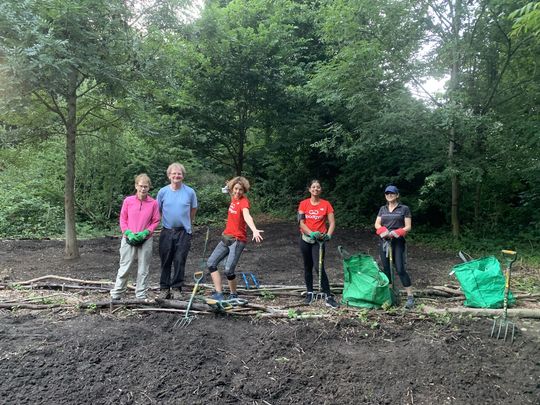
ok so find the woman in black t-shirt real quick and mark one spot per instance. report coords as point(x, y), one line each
point(392, 224)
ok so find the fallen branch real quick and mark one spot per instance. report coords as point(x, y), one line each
point(170, 310)
point(53, 286)
point(22, 305)
point(52, 276)
point(109, 303)
point(485, 312)
point(448, 290)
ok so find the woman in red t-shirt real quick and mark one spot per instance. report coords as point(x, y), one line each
point(234, 237)
point(313, 214)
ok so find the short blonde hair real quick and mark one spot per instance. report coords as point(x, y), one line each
point(143, 177)
point(238, 180)
point(178, 165)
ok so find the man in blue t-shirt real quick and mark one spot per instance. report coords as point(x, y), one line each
point(178, 206)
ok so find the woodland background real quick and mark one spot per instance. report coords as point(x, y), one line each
point(93, 92)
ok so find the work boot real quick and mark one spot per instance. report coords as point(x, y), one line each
point(309, 298)
point(331, 302)
point(218, 296)
point(410, 302)
point(164, 294)
point(233, 296)
point(176, 294)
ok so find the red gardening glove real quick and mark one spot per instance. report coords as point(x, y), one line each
point(382, 232)
point(398, 233)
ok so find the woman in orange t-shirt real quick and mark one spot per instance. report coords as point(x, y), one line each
point(234, 237)
point(313, 215)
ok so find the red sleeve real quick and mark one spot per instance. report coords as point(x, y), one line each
point(329, 208)
point(244, 203)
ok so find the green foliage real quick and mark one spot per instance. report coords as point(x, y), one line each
point(292, 313)
point(526, 20)
point(267, 295)
point(283, 92)
point(33, 197)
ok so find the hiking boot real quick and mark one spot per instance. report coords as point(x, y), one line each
point(217, 296)
point(233, 296)
point(164, 294)
point(331, 302)
point(143, 300)
point(176, 294)
point(309, 298)
point(410, 302)
point(116, 299)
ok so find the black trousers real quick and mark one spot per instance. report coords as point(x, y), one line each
point(174, 245)
point(310, 254)
point(400, 260)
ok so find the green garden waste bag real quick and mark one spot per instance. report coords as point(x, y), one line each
point(363, 284)
point(482, 282)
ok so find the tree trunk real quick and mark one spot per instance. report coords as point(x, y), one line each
point(454, 72)
point(71, 248)
point(455, 186)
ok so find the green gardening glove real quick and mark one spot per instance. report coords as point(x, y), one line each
point(129, 235)
point(315, 235)
point(326, 237)
point(145, 233)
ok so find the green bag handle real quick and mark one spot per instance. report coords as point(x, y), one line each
point(345, 255)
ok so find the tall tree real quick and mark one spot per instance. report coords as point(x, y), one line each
point(473, 45)
point(73, 57)
point(239, 64)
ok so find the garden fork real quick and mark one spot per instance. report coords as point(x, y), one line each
point(502, 324)
point(387, 247)
point(197, 276)
point(186, 320)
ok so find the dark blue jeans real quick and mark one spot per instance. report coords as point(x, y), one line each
point(174, 245)
point(310, 254)
point(400, 260)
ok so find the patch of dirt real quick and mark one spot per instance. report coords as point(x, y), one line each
point(67, 356)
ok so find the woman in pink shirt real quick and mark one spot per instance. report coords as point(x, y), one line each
point(139, 217)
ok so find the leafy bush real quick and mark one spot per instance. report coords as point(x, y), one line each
point(33, 199)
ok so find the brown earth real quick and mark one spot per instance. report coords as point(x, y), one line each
point(69, 356)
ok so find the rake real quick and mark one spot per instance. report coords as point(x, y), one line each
point(501, 324)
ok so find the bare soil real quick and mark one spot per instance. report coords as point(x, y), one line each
point(68, 356)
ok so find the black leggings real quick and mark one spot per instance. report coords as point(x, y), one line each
point(400, 260)
point(310, 254)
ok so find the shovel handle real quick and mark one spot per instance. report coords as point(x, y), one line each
point(198, 276)
point(510, 255)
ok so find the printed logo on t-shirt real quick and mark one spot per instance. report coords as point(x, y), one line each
point(315, 214)
point(232, 208)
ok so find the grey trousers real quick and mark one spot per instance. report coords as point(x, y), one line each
point(128, 254)
point(231, 253)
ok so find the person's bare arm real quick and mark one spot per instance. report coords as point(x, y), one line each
point(331, 224)
point(249, 221)
point(192, 215)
